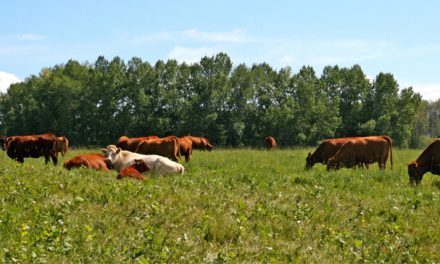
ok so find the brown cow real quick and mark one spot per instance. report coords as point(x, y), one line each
point(186, 146)
point(165, 147)
point(131, 144)
point(366, 150)
point(134, 171)
point(62, 145)
point(93, 161)
point(428, 161)
point(201, 143)
point(270, 143)
point(20, 147)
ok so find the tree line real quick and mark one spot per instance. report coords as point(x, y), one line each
point(94, 104)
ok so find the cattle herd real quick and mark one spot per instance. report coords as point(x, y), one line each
point(133, 156)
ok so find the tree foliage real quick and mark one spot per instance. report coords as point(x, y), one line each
point(94, 104)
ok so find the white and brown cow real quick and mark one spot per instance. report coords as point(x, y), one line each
point(121, 159)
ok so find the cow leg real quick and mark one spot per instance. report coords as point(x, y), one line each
point(54, 158)
point(187, 157)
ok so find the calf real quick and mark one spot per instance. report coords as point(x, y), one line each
point(94, 161)
point(134, 171)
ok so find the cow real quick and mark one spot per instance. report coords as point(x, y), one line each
point(363, 151)
point(93, 161)
point(131, 144)
point(201, 143)
point(121, 159)
point(428, 161)
point(270, 143)
point(326, 150)
point(186, 146)
point(134, 171)
point(167, 147)
point(20, 147)
point(62, 145)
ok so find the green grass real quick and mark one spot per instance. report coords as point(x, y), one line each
point(239, 206)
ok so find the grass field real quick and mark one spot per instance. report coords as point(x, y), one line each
point(239, 206)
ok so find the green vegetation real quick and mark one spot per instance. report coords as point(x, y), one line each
point(238, 205)
point(94, 104)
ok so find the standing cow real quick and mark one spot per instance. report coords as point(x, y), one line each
point(200, 143)
point(363, 151)
point(326, 150)
point(131, 144)
point(270, 143)
point(186, 146)
point(428, 161)
point(167, 147)
point(62, 145)
point(34, 146)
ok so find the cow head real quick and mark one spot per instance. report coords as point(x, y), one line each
point(140, 165)
point(111, 154)
point(415, 173)
point(309, 161)
point(332, 164)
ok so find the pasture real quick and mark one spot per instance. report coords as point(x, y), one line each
point(239, 206)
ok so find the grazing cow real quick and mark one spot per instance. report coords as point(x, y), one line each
point(326, 150)
point(131, 144)
point(134, 171)
point(93, 161)
point(121, 159)
point(201, 143)
point(166, 147)
point(20, 147)
point(62, 145)
point(270, 143)
point(186, 146)
point(365, 150)
point(428, 161)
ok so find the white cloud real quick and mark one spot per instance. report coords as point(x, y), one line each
point(6, 79)
point(236, 35)
point(30, 37)
point(190, 55)
point(429, 92)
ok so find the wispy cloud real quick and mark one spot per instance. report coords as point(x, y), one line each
point(190, 55)
point(6, 79)
point(428, 91)
point(29, 37)
point(236, 35)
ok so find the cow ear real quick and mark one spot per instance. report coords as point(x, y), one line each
point(118, 150)
point(104, 151)
point(309, 155)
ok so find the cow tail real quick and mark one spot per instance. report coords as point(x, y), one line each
point(388, 139)
point(179, 156)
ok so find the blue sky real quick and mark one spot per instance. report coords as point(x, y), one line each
point(398, 37)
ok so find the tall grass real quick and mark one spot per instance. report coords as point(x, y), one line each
point(241, 206)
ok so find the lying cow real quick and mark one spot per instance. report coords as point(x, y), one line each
point(62, 145)
point(201, 143)
point(270, 143)
point(121, 159)
point(165, 147)
point(131, 144)
point(428, 161)
point(134, 171)
point(366, 150)
point(94, 161)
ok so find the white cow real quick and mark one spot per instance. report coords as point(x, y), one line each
point(123, 158)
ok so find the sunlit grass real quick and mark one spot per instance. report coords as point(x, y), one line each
point(230, 205)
